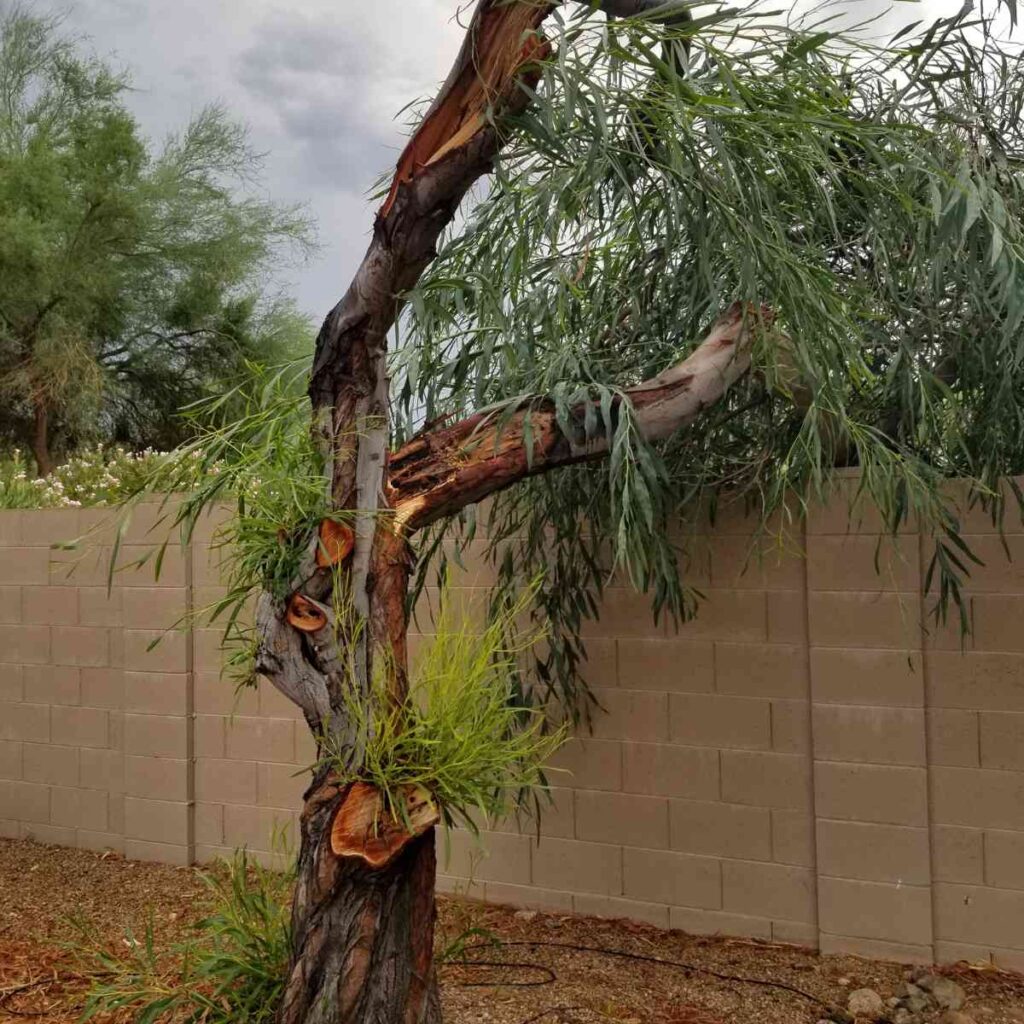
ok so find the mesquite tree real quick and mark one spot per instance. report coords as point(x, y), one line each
point(839, 225)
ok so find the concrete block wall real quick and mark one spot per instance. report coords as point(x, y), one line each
point(809, 760)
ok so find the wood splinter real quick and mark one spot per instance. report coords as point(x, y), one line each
point(365, 828)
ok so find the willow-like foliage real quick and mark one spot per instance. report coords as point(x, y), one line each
point(871, 196)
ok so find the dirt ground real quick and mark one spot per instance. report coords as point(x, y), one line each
point(540, 974)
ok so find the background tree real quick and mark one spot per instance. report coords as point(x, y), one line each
point(130, 281)
point(842, 224)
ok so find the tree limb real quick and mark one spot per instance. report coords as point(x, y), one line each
point(441, 471)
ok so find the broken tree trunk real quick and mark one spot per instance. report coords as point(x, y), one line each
point(363, 912)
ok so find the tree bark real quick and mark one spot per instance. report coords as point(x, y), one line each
point(41, 438)
point(363, 919)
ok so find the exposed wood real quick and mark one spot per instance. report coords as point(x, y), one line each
point(366, 828)
point(439, 472)
point(305, 615)
point(336, 541)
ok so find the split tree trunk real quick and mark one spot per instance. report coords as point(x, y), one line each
point(363, 913)
point(41, 439)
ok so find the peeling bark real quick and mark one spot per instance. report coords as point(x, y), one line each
point(442, 471)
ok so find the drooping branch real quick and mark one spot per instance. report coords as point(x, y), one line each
point(443, 470)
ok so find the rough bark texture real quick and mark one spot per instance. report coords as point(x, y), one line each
point(363, 913)
point(362, 936)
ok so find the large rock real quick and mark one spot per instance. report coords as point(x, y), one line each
point(946, 992)
point(866, 1003)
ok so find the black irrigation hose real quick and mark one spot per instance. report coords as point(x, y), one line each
point(550, 978)
point(682, 964)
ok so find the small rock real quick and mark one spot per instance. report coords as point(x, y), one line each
point(865, 1002)
point(844, 981)
point(946, 992)
point(955, 1017)
point(916, 1004)
point(903, 1016)
point(525, 915)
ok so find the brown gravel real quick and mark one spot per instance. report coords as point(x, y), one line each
point(539, 975)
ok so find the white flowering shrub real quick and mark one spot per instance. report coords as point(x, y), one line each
point(92, 477)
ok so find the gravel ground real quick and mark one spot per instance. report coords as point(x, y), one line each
point(540, 973)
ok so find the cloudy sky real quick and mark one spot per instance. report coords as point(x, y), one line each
point(320, 82)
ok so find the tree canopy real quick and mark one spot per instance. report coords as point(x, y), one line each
point(132, 280)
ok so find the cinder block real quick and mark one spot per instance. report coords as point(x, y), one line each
point(1002, 740)
point(259, 828)
point(631, 715)
point(747, 563)
point(115, 813)
point(12, 684)
point(42, 527)
point(713, 829)
point(170, 653)
point(99, 842)
point(673, 665)
point(953, 738)
point(28, 722)
point(766, 779)
point(875, 910)
point(856, 619)
point(975, 680)
point(103, 688)
point(81, 645)
point(51, 765)
point(10, 605)
point(997, 619)
point(791, 726)
point(138, 568)
point(529, 897)
point(155, 821)
point(11, 760)
point(793, 838)
point(79, 727)
point(87, 565)
point(624, 612)
point(24, 801)
point(954, 952)
point(979, 916)
point(571, 866)
point(25, 567)
point(100, 606)
point(735, 615)
point(208, 651)
point(25, 645)
point(52, 684)
point(272, 703)
point(876, 853)
point(258, 739)
point(848, 675)
point(225, 782)
point(48, 835)
point(1004, 860)
point(795, 933)
point(160, 608)
point(714, 922)
point(863, 562)
point(663, 769)
point(160, 853)
point(215, 695)
point(876, 793)
point(209, 822)
point(619, 909)
point(875, 949)
point(768, 890)
point(616, 817)
point(494, 857)
point(715, 720)
point(209, 735)
point(590, 763)
point(102, 769)
point(49, 606)
point(155, 736)
point(761, 670)
point(156, 778)
point(1001, 574)
point(978, 798)
point(847, 511)
point(10, 527)
point(787, 617)
point(957, 854)
point(156, 693)
point(871, 735)
point(678, 879)
point(281, 785)
point(79, 808)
